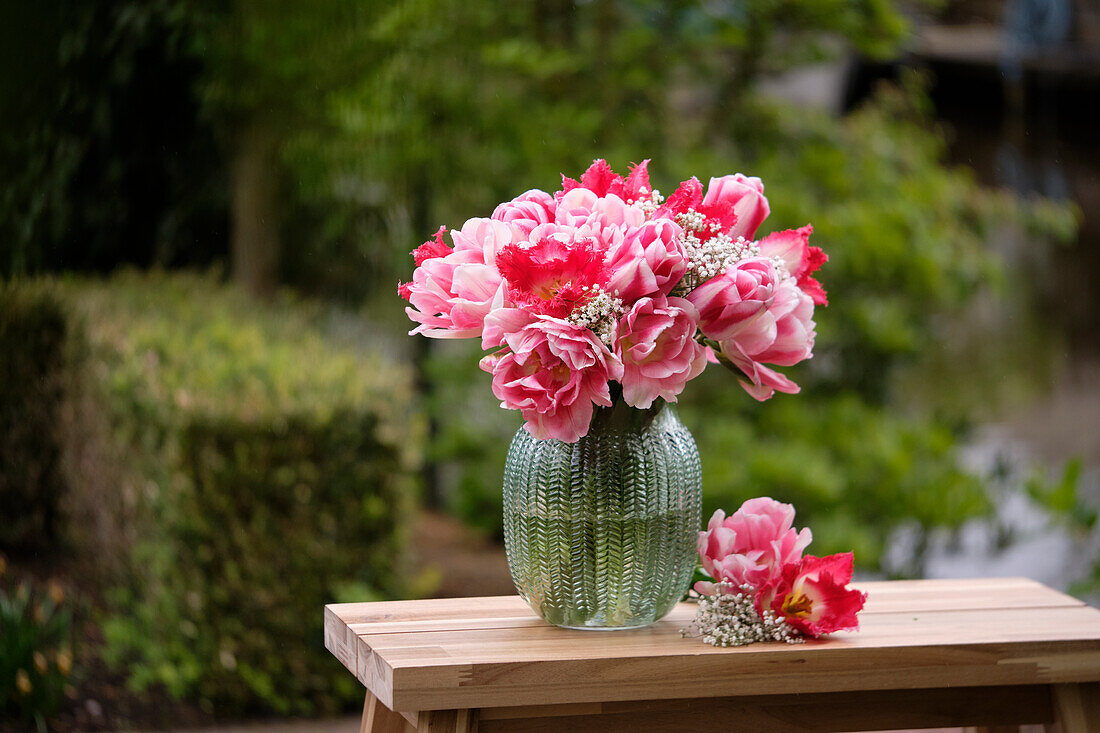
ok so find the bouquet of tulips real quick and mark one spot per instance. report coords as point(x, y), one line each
point(606, 290)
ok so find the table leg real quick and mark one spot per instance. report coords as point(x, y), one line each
point(1077, 707)
point(447, 721)
point(377, 718)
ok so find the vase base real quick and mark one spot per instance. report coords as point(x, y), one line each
point(607, 628)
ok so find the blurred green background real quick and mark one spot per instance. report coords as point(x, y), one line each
point(212, 421)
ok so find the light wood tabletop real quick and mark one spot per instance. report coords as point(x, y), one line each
point(930, 653)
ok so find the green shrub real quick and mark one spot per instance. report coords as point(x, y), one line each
point(35, 651)
point(267, 470)
point(33, 359)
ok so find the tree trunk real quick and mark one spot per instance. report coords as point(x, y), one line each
point(255, 227)
point(422, 354)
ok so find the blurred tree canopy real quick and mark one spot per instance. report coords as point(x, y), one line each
point(296, 139)
point(315, 144)
point(103, 155)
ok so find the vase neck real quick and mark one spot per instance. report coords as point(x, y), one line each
point(622, 418)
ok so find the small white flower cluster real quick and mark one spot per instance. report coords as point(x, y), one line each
point(729, 618)
point(600, 314)
point(781, 267)
point(709, 258)
point(647, 201)
point(692, 221)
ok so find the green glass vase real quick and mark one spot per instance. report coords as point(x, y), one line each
point(600, 534)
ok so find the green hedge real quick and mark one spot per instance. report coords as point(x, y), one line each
point(33, 362)
point(259, 460)
point(262, 525)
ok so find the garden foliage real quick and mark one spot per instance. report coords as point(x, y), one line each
point(34, 330)
point(264, 467)
point(239, 445)
point(907, 238)
point(36, 658)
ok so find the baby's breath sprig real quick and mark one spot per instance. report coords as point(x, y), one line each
point(600, 313)
point(729, 618)
point(709, 256)
point(648, 201)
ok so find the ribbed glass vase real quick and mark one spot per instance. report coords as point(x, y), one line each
point(600, 534)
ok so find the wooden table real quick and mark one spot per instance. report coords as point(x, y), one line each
point(992, 653)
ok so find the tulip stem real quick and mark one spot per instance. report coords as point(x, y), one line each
point(717, 349)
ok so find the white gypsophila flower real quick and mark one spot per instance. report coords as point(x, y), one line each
point(729, 618)
point(707, 258)
point(647, 201)
point(600, 314)
point(780, 267)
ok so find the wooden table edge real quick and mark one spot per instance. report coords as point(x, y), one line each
point(1073, 690)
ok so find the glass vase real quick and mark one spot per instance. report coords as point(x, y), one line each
point(600, 534)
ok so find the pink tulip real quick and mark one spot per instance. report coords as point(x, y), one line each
point(553, 372)
point(792, 311)
point(450, 296)
point(793, 247)
point(555, 271)
point(751, 546)
point(525, 212)
point(782, 335)
point(658, 350)
point(486, 237)
point(811, 595)
point(733, 304)
point(453, 290)
point(649, 261)
point(745, 196)
point(581, 207)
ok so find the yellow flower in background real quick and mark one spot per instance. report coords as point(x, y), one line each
point(40, 663)
point(65, 662)
point(57, 593)
point(23, 682)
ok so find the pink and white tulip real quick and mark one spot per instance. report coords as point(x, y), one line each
point(792, 246)
point(553, 372)
point(525, 212)
point(783, 335)
point(484, 237)
point(649, 261)
point(658, 350)
point(752, 545)
point(745, 196)
point(733, 305)
point(581, 207)
point(453, 290)
point(450, 296)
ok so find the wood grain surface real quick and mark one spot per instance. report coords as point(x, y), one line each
point(495, 653)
